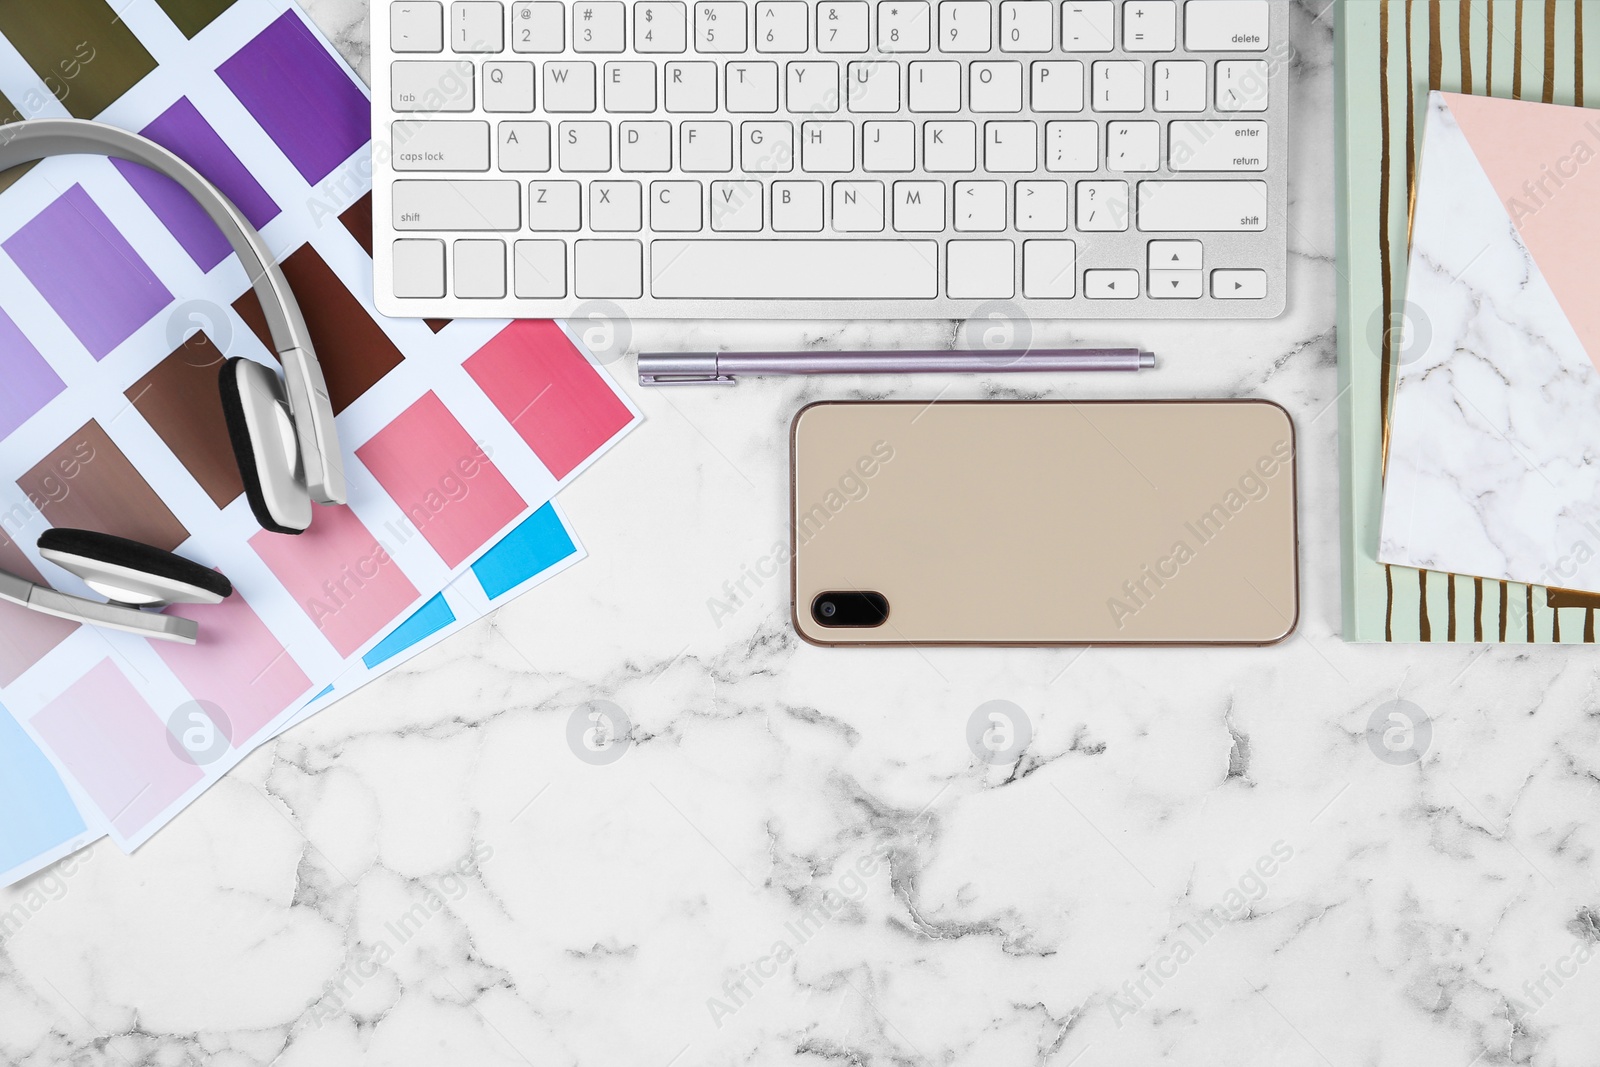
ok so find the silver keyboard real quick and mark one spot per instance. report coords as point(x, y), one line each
point(830, 158)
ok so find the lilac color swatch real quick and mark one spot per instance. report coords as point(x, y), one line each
point(305, 101)
point(87, 272)
point(30, 383)
point(185, 132)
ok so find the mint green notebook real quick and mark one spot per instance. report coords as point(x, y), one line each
point(1390, 53)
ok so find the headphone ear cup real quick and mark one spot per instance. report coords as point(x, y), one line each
point(264, 445)
point(129, 572)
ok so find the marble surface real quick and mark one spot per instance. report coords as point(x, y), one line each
point(1311, 854)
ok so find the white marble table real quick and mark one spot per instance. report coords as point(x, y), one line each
point(797, 859)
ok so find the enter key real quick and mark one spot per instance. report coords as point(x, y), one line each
point(1217, 145)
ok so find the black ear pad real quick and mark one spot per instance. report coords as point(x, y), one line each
point(121, 552)
point(244, 452)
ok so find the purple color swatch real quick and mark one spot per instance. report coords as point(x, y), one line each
point(185, 132)
point(87, 272)
point(30, 383)
point(304, 100)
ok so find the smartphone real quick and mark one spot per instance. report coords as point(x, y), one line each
point(1153, 522)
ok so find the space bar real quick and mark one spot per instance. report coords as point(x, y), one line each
point(794, 270)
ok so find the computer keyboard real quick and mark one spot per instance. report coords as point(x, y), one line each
point(830, 158)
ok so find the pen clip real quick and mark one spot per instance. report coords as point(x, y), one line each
point(685, 379)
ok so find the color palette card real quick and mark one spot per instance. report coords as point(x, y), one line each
point(117, 304)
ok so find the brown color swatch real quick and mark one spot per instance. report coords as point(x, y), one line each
point(355, 353)
point(192, 16)
point(87, 483)
point(9, 112)
point(25, 636)
point(181, 402)
point(80, 49)
point(357, 219)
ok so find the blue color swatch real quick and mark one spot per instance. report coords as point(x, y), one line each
point(39, 813)
point(538, 544)
point(429, 619)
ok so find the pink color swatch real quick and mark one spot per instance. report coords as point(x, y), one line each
point(117, 746)
point(238, 665)
point(553, 396)
point(340, 575)
point(441, 479)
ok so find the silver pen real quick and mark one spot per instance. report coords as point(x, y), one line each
point(687, 368)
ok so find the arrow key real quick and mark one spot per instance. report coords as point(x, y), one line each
point(1175, 255)
point(1176, 284)
point(1111, 284)
point(1239, 284)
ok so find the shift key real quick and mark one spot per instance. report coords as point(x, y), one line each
point(1202, 206)
point(457, 205)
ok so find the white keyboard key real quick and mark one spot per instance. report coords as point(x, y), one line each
point(1133, 146)
point(1149, 26)
point(418, 267)
point(705, 147)
point(523, 146)
point(508, 86)
point(813, 88)
point(752, 87)
point(477, 26)
point(1202, 206)
point(1072, 146)
point(645, 146)
point(1175, 255)
point(1057, 85)
point(675, 206)
point(995, 86)
point(569, 87)
point(480, 269)
point(1041, 207)
point(1239, 284)
point(597, 25)
point(889, 146)
point(827, 147)
point(842, 26)
point(1176, 284)
point(431, 85)
point(691, 87)
point(1102, 206)
point(1049, 270)
point(1010, 147)
point(660, 26)
point(858, 207)
point(1181, 85)
point(540, 269)
point(1242, 85)
point(719, 27)
point(903, 27)
point(1118, 85)
point(441, 145)
point(980, 270)
point(1025, 26)
point(766, 147)
point(781, 25)
point(417, 26)
point(554, 206)
point(822, 269)
point(539, 26)
point(584, 147)
point(440, 204)
point(964, 26)
point(919, 207)
point(1216, 145)
point(736, 206)
point(630, 86)
point(1111, 284)
point(610, 270)
point(614, 206)
point(1225, 25)
point(935, 85)
point(797, 207)
point(874, 86)
point(1087, 25)
point(949, 146)
point(980, 207)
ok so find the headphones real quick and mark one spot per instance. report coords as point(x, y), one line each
point(281, 429)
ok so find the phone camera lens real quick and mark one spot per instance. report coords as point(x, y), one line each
point(829, 610)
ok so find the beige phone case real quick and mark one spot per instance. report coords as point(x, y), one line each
point(1047, 522)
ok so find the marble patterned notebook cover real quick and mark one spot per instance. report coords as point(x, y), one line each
point(1494, 443)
